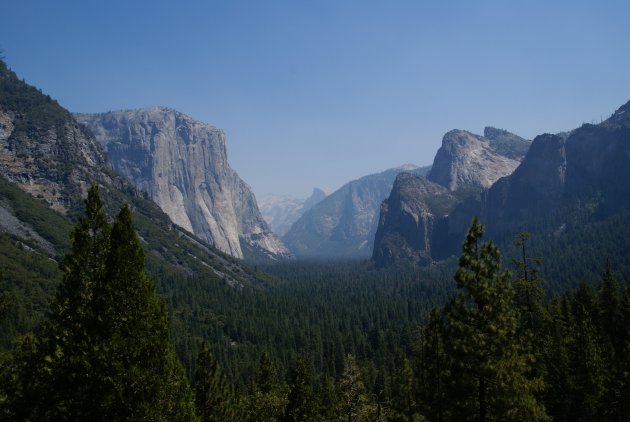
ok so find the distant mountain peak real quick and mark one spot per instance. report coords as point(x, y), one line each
point(571, 180)
point(469, 161)
point(316, 197)
point(492, 132)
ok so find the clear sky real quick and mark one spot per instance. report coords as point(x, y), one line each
point(320, 92)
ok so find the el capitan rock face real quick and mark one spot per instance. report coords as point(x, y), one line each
point(45, 152)
point(182, 164)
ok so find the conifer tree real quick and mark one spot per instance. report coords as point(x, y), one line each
point(214, 396)
point(404, 407)
point(555, 360)
point(327, 398)
point(613, 333)
point(301, 403)
point(136, 356)
point(588, 368)
point(6, 301)
point(267, 398)
point(527, 287)
point(354, 400)
point(625, 358)
point(488, 381)
point(266, 378)
point(432, 368)
point(67, 350)
point(609, 316)
point(105, 352)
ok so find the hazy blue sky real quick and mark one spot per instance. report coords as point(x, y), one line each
point(317, 93)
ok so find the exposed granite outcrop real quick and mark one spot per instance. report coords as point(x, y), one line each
point(408, 219)
point(422, 216)
point(182, 165)
point(469, 161)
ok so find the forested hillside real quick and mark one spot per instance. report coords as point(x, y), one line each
point(346, 341)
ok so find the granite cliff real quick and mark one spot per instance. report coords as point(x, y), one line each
point(182, 165)
point(469, 161)
point(47, 163)
point(565, 179)
point(408, 219)
point(414, 219)
point(569, 187)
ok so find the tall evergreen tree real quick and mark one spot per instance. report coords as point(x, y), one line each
point(67, 350)
point(354, 401)
point(6, 301)
point(488, 381)
point(301, 405)
point(214, 396)
point(105, 353)
point(136, 356)
point(613, 333)
point(555, 359)
point(267, 398)
point(432, 368)
point(588, 368)
point(266, 378)
point(529, 294)
point(624, 359)
point(404, 407)
point(610, 313)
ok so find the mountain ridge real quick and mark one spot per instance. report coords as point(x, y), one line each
point(413, 221)
point(342, 226)
point(565, 184)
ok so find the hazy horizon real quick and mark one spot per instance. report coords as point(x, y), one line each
point(315, 94)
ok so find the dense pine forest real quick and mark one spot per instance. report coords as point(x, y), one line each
point(482, 338)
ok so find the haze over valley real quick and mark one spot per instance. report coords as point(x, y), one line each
point(314, 211)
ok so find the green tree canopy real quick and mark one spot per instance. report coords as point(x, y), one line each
point(214, 396)
point(302, 404)
point(105, 352)
point(487, 366)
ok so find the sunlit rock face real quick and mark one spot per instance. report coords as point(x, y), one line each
point(182, 164)
point(469, 161)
